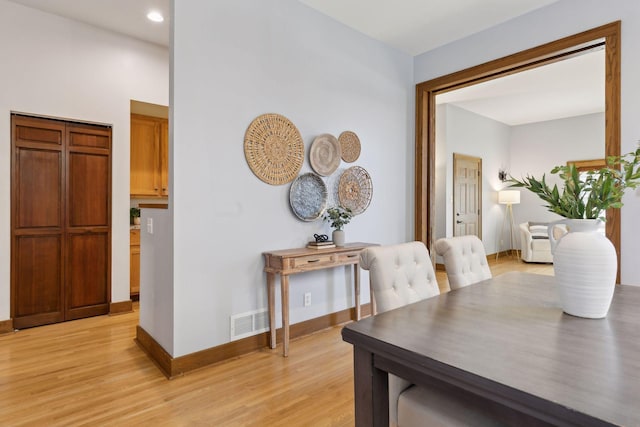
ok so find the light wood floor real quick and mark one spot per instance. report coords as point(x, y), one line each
point(90, 372)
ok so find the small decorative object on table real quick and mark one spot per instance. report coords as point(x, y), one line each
point(338, 217)
point(321, 242)
point(134, 216)
point(584, 260)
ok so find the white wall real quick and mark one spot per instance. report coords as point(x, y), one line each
point(156, 272)
point(537, 147)
point(561, 19)
point(472, 135)
point(234, 60)
point(56, 67)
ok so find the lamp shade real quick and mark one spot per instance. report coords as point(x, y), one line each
point(509, 197)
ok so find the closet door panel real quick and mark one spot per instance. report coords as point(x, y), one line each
point(88, 221)
point(88, 136)
point(88, 190)
point(37, 221)
point(87, 275)
point(38, 188)
point(38, 297)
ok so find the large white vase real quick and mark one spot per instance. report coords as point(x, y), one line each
point(338, 237)
point(585, 266)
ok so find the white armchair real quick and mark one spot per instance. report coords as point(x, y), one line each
point(534, 242)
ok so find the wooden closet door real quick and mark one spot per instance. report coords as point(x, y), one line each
point(88, 215)
point(60, 221)
point(37, 221)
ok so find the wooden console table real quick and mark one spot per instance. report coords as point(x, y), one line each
point(292, 261)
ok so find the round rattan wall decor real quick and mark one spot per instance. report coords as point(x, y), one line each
point(355, 189)
point(350, 146)
point(324, 154)
point(274, 149)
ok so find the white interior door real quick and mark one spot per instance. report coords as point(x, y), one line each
point(467, 195)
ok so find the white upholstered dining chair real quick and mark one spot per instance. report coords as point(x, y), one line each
point(464, 259)
point(403, 274)
point(399, 275)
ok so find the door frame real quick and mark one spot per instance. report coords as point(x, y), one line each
point(424, 216)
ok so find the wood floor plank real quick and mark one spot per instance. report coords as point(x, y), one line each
point(90, 372)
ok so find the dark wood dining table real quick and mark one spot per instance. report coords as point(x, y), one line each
point(507, 340)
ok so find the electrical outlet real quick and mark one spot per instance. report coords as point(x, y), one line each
point(307, 299)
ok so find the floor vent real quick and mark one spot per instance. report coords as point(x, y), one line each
point(250, 323)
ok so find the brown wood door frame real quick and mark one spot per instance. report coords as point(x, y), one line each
point(424, 218)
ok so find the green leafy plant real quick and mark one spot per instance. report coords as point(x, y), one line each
point(338, 217)
point(587, 195)
point(134, 213)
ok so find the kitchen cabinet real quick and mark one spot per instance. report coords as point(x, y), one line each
point(134, 260)
point(149, 157)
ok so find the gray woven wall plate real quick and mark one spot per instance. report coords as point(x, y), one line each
point(308, 196)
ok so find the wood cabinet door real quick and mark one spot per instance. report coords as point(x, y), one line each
point(134, 274)
point(164, 157)
point(145, 159)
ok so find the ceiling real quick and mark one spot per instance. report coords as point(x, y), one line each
point(128, 17)
point(568, 88)
point(412, 26)
point(417, 26)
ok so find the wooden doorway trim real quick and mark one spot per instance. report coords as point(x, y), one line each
point(609, 35)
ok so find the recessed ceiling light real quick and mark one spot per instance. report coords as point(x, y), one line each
point(155, 16)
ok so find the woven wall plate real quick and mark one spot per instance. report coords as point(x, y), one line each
point(324, 154)
point(350, 146)
point(355, 189)
point(308, 196)
point(274, 149)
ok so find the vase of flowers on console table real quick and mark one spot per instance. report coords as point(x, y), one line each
point(338, 217)
point(584, 259)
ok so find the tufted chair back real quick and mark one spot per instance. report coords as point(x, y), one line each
point(399, 275)
point(464, 259)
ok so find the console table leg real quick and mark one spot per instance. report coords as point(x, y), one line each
point(356, 288)
point(285, 314)
point(271, 295)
